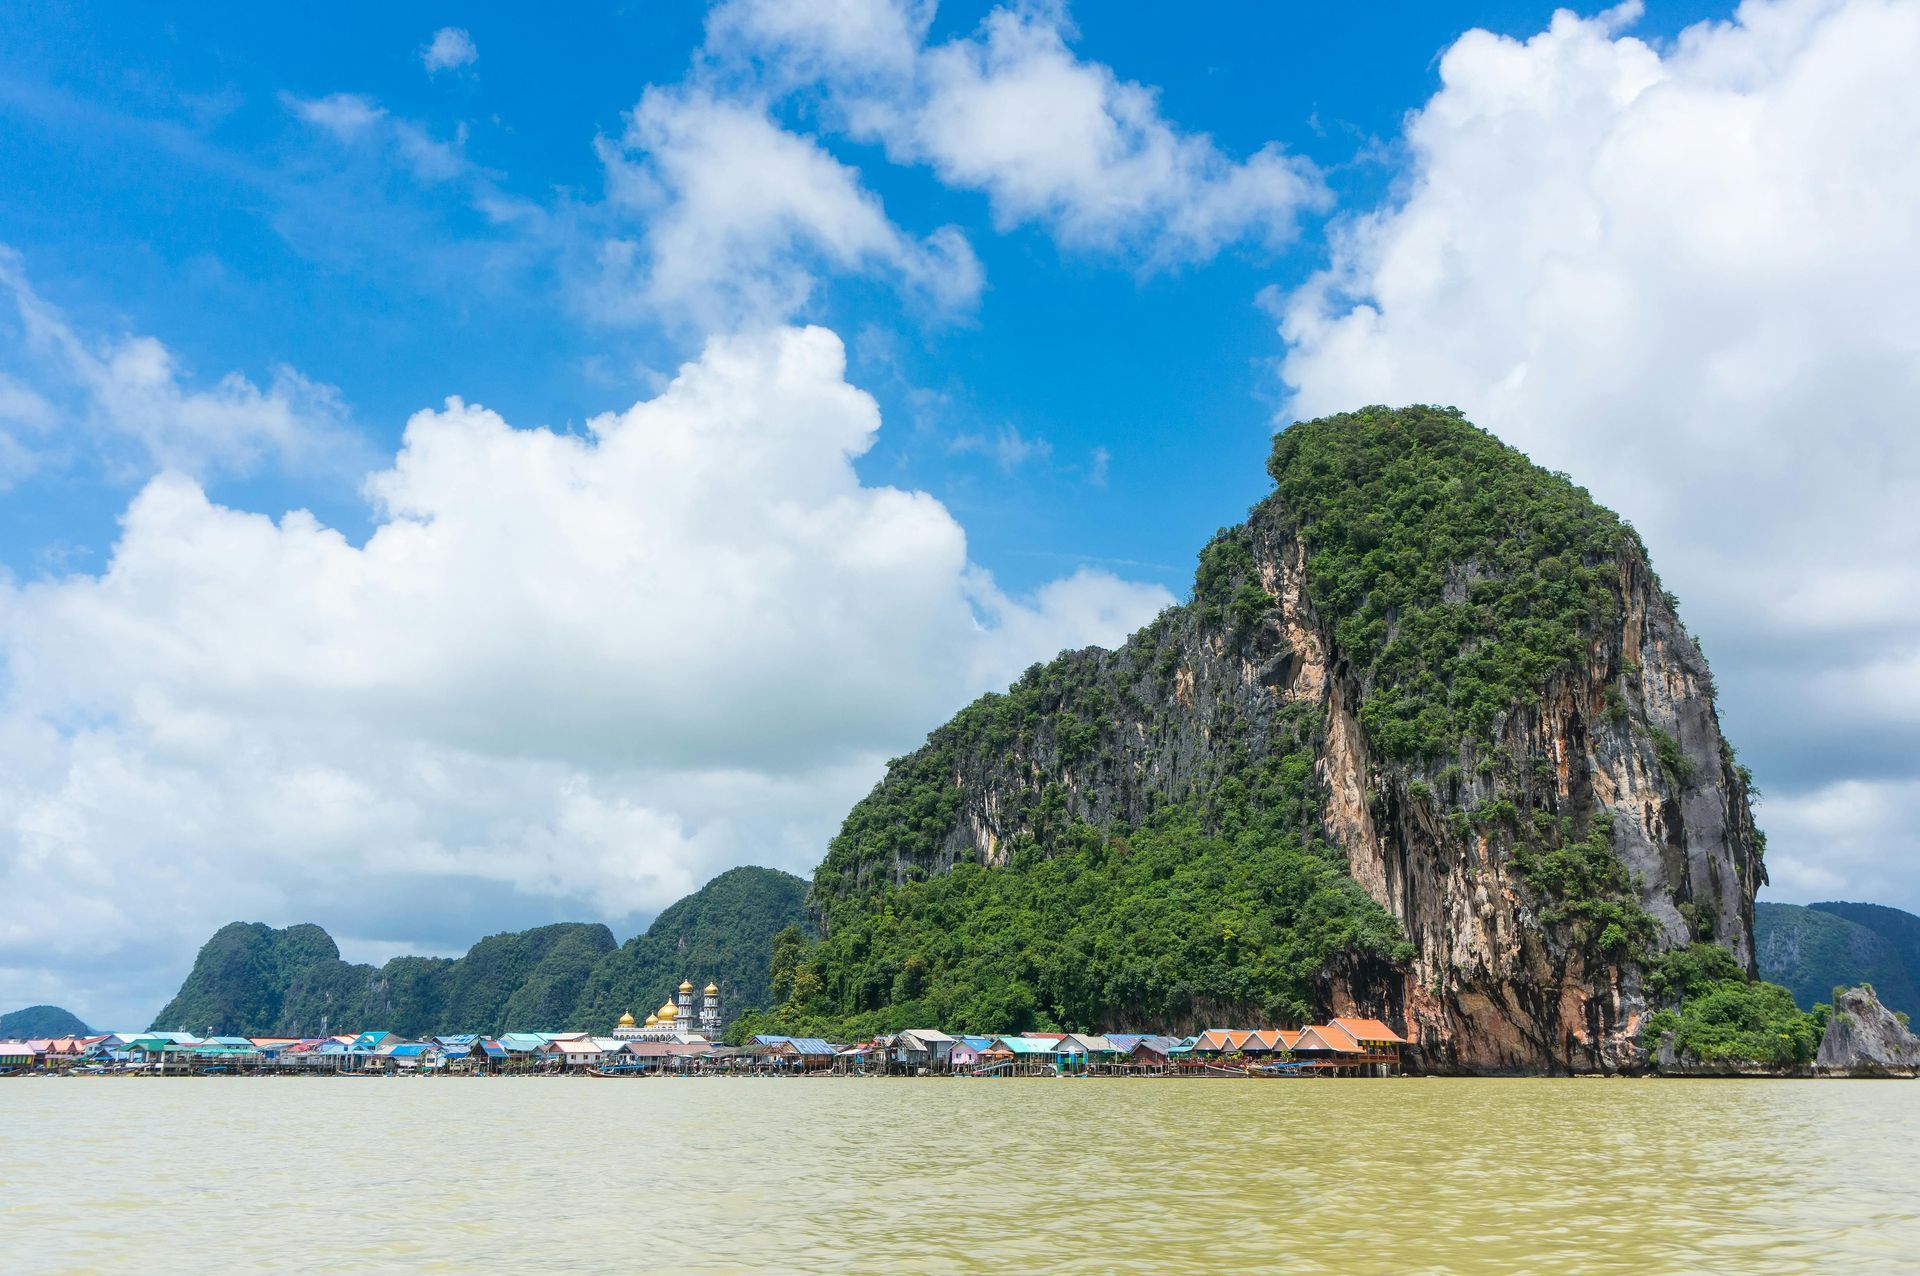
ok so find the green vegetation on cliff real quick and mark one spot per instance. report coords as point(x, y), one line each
point(41, 1021)
point(724, 932)
point(1585, 887)
point(1723, 1017)
point(1150, 817)
point(1458, 576)
point(1459, 580)
point(251, 979)
point(240, 978)
point(1230, 903)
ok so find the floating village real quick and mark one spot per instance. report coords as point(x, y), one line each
point(679, 1040)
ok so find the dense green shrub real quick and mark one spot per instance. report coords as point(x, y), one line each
point(1458, 577)
point(1587, 888)
point(1722, 1016)
point(1229, 900)
point(1673, 760)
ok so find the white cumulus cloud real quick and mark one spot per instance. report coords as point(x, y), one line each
point(1687, 276)
point(1052, 138)
point(858, 39)
point(1055, 139)
point(345, 115)
point(125, 401)
point(737, 217)
point(450, 48)
point(583, 670)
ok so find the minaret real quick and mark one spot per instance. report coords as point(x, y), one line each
point(685, 1018)
point(710, 1013)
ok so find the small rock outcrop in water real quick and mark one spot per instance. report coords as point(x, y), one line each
point(1865, 1039)
point(1422, 660)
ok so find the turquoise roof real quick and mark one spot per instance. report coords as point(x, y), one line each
point(1029, 1045)
point(523, 1041)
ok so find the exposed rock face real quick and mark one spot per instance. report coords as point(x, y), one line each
point(1501, 982)
point(1491, 989)
point(1864, 1039)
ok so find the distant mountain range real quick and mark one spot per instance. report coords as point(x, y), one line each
point(41, 1021)
point(252, 980)
point(1814, 948)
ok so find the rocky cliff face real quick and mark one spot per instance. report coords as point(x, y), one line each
point(1495, 984)
point(1864, 1039)
point(1514, 740)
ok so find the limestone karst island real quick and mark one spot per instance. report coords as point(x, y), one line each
point(1425, 777)
point(957, 636)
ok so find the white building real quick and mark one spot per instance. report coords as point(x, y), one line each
point(676, 1022)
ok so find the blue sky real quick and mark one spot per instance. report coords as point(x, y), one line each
point(159, 184)
point(1657, 249)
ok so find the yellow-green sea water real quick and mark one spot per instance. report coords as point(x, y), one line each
point(1015, 1176)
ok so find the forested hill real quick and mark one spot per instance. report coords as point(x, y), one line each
point(1815, 948)
point(41, 1021)
point(251, 979)
point(1428, 741)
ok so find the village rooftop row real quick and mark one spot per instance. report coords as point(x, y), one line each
point(1342, 1046)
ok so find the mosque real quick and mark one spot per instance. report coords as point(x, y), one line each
point(676, 1022)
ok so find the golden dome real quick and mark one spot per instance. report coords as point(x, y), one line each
point(626, 1020)
point(686, 985)
point(652, 1022)
point(667, 1013)
point(713, 990)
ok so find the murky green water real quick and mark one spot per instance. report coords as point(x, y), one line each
point(1012, 1176)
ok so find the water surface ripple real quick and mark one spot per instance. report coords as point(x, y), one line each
point(1033, 1176)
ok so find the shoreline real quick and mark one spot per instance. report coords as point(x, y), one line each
point(1218, 1075)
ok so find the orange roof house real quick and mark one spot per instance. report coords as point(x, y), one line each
point(1327, 1038)
point(1335, 1033)
point(1369, 1031)
point(1221, 1041)
point(1244, 1041)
